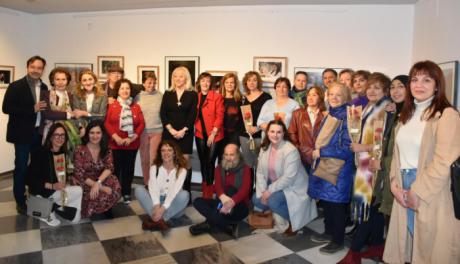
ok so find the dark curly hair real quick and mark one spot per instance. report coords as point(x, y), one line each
point(104, 144)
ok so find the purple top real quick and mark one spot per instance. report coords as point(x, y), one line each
point(360, 100)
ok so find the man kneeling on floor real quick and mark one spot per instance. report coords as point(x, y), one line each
point(232, 186)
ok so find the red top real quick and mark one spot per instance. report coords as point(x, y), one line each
point(243, 193)
point(213, 115)
point(112, 124)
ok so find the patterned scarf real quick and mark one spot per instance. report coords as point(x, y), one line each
point(126, 116)
point(371, 134)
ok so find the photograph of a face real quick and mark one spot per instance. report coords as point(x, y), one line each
point(6, 75)
point(270, 68)
point(192, 63)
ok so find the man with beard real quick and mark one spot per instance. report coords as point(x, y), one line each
point(23, 102)
point(232, 186)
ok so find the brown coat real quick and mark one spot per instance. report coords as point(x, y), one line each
point(303, 134)
point(436, 231)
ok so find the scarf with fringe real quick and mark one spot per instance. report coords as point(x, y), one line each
point(126, 116)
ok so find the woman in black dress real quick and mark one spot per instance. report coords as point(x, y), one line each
point(255, 97)
point(178, 114)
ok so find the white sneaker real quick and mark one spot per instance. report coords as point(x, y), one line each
point(51, 220)
point(281, 224)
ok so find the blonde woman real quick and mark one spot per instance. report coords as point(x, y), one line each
point(178, 113)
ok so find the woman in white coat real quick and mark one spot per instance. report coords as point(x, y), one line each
point(281, 181)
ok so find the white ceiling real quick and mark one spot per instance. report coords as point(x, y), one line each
point(63, 6)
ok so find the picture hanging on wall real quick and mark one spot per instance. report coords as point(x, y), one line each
point(105, 62)
point(143, 70)
point(315, 75)
point(270, 68)
point(74, 69)
point(192, 63)
point(217, 77)
point(6, 75)
point(450, 70)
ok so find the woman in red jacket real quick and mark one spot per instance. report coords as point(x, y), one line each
point(124, 123)
point(209, 130)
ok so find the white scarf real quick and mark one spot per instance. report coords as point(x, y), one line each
point(126, 116)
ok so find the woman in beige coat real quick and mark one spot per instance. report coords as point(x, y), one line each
point(423, 228)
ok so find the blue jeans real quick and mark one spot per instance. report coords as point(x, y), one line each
point(21, 159)
point(408, 177)
point(276, 203)
point(175, 210)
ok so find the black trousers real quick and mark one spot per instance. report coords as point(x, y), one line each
point(208, 208)
point(334, 220)
point(124, 162)
point(208, 156)
point(370, 232)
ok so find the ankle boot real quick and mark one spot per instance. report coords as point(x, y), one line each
point(352, 257)
point(375, 251)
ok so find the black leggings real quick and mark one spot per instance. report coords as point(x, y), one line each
point(124, 161)
point(208, 156)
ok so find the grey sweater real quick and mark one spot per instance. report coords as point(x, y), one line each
point(150, 105)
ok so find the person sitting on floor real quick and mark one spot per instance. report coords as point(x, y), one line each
point(164, 198)
point(232, 186)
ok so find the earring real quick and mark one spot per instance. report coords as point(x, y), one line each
point(81, 87)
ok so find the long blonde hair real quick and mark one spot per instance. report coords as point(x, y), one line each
point(236, 93)
point(80, 91)
point(188, 83)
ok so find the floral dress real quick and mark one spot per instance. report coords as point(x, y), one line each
point(86, 167)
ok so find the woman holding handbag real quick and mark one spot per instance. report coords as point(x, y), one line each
point(333, 189)
point(46, 175)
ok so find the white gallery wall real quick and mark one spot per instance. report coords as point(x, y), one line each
point(374, 37)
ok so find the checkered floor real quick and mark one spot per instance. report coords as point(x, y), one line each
point(121, 240)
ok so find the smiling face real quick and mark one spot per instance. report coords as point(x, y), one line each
point(359, 84)
point(179, 79)
point(397, 91)
point(335, 97)
point(275, 134)
point(149, 85)
point(229, 85)
point(60, 81)
point(313, 98)
point(422, 87)
point(87, 82)
point(35, 69)
point(282, 90)
point(375, 92)
point(205, 84)
point(167, 154)
point(58, 138)
point(95, 135)
point(125, 91)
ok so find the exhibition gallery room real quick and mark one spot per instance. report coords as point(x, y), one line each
point(150, 40)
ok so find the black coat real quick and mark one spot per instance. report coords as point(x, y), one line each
point(40, 171)
point(19, 103)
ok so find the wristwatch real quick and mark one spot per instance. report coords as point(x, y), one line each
point(99, 181)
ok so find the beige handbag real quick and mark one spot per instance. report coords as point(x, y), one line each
point(328, 169)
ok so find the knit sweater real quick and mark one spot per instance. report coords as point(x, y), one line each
point(150, 105)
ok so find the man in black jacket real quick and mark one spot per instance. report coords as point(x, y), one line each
point(22, 104)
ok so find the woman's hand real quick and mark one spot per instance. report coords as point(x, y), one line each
point(356, 147)
point(118, 140)
point(374, 165)
point(264, 198)
point(315, 154)
point(412, 200)
point(106, 189)
point(158, 213)
point(180, 134)
point(252, 130)
point(94, 191)
point(391, 107)
point(211, 139)
point(58, 186)
point(398, 193)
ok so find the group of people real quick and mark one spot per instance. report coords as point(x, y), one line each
point(351, 148)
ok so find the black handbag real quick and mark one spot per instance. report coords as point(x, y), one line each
point(455, 186)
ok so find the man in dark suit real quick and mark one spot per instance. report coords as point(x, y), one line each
point(22, 104)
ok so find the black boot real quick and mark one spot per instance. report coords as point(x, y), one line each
point(188, 185)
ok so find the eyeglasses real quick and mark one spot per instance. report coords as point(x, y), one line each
point(59, 136)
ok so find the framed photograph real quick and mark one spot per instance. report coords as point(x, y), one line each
point(6, 75)
point(105, 62)
point(315, 75)
point(74, 69)
point(142, 70)
point(450, 70)
point(217, 77)
point(270, 68)
point(192, 63)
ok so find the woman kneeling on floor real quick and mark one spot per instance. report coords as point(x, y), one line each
point(281, 181)
point(164, 198)
point(47, 176)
